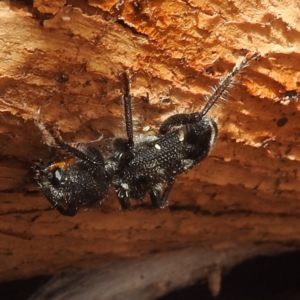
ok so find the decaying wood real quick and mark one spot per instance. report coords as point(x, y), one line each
point(60, 62)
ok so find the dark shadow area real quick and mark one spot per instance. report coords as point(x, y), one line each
point(21, 289)
point(262, 278)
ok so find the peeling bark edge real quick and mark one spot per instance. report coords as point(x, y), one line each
point(151, 276)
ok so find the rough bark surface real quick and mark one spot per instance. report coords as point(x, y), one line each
point(245, 192)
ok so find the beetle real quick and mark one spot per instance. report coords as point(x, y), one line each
point(133, 168)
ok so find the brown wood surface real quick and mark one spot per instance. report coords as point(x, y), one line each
point(245, 193)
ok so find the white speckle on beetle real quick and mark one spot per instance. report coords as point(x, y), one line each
point(181, 135)
point(125, 186)
point(157, 147)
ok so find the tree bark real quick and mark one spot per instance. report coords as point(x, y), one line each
point(60, 63)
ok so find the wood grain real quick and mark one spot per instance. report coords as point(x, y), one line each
point(60, 63)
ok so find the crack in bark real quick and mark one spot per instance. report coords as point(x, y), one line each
point(23, 236)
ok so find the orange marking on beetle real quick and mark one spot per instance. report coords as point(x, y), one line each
point(62, 164)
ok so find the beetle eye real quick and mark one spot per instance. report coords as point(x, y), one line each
point(56, 177)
